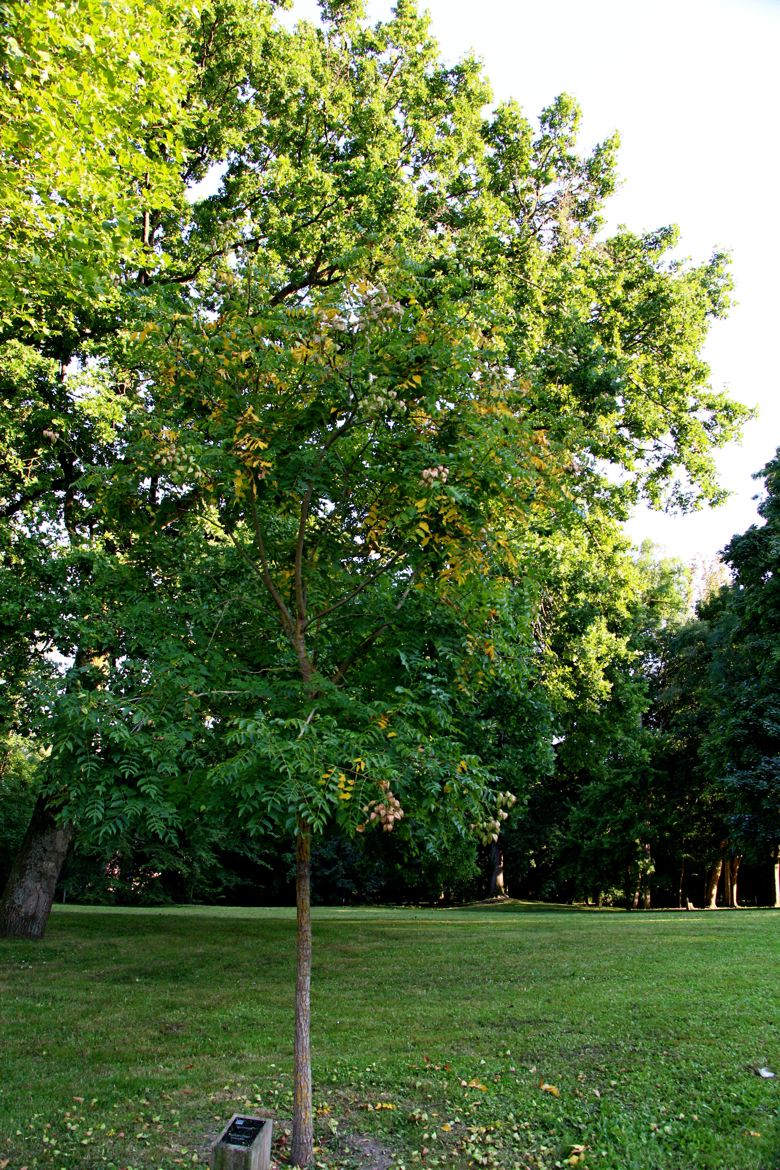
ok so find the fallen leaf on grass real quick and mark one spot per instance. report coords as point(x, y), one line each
point(766, 1073)
point(577, 1156)
point(474, 1084)
point(4, 1162)
point(556, 1092)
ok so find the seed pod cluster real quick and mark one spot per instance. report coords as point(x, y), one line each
point(386, 811)
point(430, 475)
point(487, 830)
point(180, 465)
point(378, 305)
point(383, 402)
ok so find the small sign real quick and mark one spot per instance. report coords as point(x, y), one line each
point(244, 1144)
point(242, 1131)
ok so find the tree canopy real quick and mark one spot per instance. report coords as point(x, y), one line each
point(303, 478)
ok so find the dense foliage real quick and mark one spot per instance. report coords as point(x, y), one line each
point(311, 487)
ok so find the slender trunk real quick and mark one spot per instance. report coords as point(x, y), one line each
point(497, 871)
point(711, 891)
point(776, 877)
point(682, 899)
point(302, 1151)
point(731, 878)
point(29, 892)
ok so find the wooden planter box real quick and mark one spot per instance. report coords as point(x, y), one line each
point(244, 1144)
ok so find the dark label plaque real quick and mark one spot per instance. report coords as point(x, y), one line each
point(243, 1131)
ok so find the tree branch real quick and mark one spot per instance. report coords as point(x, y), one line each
point(370, 638)
point(349, 596)
point(284, 613)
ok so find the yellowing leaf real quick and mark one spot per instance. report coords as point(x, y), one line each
point(556, 1092)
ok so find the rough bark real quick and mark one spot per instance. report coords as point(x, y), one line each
point(29, 892)
point(302, 1149)
point(497, 871)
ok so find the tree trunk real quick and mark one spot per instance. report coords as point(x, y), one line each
point(776, 876)
point(29, 892)
point(302, 1150)
point(497, 873)
point(711, 890)
point(731, 874)
point(682, 896)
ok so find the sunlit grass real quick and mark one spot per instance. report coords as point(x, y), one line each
point(129, 1037)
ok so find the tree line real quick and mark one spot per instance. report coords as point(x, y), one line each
point(312, 487)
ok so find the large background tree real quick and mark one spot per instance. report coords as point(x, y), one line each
point(718, 711)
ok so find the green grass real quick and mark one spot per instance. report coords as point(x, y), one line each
point(128, 1038)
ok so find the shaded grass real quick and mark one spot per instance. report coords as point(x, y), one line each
point(433, 1033)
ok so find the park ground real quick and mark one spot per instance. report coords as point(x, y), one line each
point(508, 1037)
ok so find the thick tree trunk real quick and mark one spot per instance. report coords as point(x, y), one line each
point(302, 1150)
point(497, 871)
point(29, 892)
point(711, 890)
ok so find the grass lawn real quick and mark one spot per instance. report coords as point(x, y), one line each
point(502, 1037)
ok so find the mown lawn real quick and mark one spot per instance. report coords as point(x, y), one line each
point(503, 1037)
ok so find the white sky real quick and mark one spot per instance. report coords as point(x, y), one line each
point(693, 87)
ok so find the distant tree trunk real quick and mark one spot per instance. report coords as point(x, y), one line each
point(302, 1149)
point(682, 895)
point(730, 877)
point(497, 871)
point(29, 892)
point(713, 879)
point(776, 877)
point(644, 870)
